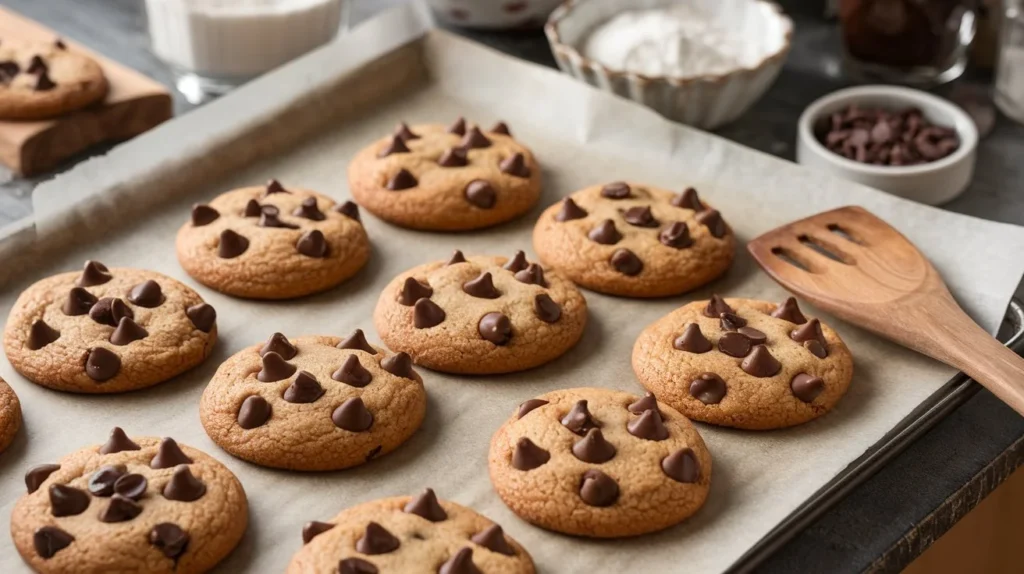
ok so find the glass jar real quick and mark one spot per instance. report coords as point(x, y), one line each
point(1009, 83)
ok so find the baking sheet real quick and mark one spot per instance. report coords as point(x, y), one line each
point(302, 123)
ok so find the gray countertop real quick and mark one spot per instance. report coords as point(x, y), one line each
point(889, 519)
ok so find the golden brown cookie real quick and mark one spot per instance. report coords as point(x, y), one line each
point(744, 363)
point(108, 330)
point(272, 242)
point(481, 314)
point(313, 403)
point(635, 240)
point(441, 178)
point(10, 415)
point(412, 535)
point(42, 80)
point(600, 463)
point(129, 505)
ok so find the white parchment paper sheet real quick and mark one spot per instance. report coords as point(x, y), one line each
point(582, 137)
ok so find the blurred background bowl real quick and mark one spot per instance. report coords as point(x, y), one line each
point(494, 14)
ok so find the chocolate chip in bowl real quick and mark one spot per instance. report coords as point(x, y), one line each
point(882, 137)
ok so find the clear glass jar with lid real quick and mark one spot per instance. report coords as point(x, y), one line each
point(1009, 82)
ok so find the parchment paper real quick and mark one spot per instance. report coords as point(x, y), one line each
point(302, 124)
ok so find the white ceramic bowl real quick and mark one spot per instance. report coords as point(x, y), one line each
point(706, 100)
point(932, 183)
point(494, 14)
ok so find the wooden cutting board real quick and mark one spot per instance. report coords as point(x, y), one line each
point(133, 105)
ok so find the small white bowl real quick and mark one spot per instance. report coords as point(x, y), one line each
point(703, 100)
point(931, 183)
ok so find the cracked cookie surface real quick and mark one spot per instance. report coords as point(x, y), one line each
point(272, 242)
point(140, 504)
point(744, 363)
point(40, 80)
point(108, 330)
point(313, 402)
point(446, 178)
point(481, 314)
point(635, 240)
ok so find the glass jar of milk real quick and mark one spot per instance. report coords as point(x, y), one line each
point(216, 45)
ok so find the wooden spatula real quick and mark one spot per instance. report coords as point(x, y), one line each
point(854, 265)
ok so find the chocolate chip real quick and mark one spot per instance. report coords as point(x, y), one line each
point(255, 411)
point(426, 314)
point(731, 321)
point(708, 388)
point(401, 180)
point(461, 563)
point(117, 442)
point(312, 529)
point(616, 190)
point(127, 331)
point(8, 69)
point(147, 294)
point(203, 316)
point(457, 257)
point(761, 363)
point(169, 539)
point(816, 349)
point(640, 217)
point(79, 302)
point(275, 368)
point(885, 137)
point(528, 456)
point(38, 474)
point(269, 218)
point(789, 311)
point(101, 483)
point(110, 311)
point(578, 419)
point(304, 389)
point(252, 209)
point(532, 275)
point(648, 426)
point(274, 186)
point(352, 415)
point(459, 127)
point(496, 328)
point(811, 331)
point(357, 341)
point(44, 82)
point(546, 309)
point(399, 365)
point(756, 337)
point(403, 131)
point(309, 210)
point(681, 466)
point(377, 540)
point(515, 165)
point(529, 406)
point(40, 335)
point(734, 344)
point(352, 373)
point(626, 262)
point(131, 486)
point(59, 44)
point(716, 306)
point(645, 403)
point(475, 139)
point(396, 145)
point(169, 455)
point(593, 448)
point(120, 509)
point(203, 214)
point(598, 489)
point(481, 194)
point(676, 235)
point(102, 364)
point(605, 233)
point(49, 540)
point(312, 244)
point(692, 340)
point(453, 157)
point(426, 506)
point(279, 344)
point(231, 245)
point(688, 199)
point(493, 539)
point(356, 566)
point(36, 65)
point(806, 387)
point(570, 211)
point(349, 209)
point(94, 273)
point(482, 287)
point(712, 219)
point(67, 500)
point(501, 128)
point(184, 486)
point(517, 263)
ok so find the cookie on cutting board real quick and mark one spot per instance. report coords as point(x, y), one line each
point(42, 80)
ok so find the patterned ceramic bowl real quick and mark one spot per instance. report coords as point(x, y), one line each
point(494, 13)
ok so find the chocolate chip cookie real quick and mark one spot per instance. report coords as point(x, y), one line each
point(10, 415)
point(42, 80)
point(442, 178)
point(600, 463)
point(409, 534)
point(744, 363)
point(481, 314)
point(272, 242)
point(140, 504)
point(635, 240)
point(108, 330)
point(313, 403)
